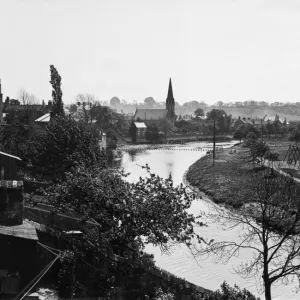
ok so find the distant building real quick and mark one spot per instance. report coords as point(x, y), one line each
point(26, 114)
point(139, 132)
point(18, 239)
point(258, 122)
point(240, 121)
point(150, 114)
point(158, 116)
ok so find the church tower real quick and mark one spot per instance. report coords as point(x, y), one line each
point(170, 104)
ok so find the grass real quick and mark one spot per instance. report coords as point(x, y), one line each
point(229, 180)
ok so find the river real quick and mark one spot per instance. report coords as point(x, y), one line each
point(175, 160)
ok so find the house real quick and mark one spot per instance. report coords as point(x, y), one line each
point(258, 122)
point(26, 114)
point(240, 121)
point(18, 263)
point(18, 238)
point(139, 132)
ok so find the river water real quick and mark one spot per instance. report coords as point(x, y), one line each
point(205, 272)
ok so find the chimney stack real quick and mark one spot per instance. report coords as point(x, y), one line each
point(1, 104)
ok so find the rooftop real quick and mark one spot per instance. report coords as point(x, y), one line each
point(25, 231)
point(9, 155)
point(150, 114)
point(44, 118)
point(140, 125)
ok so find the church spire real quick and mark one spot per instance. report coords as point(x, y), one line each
point(170, 103)
point(170, 91)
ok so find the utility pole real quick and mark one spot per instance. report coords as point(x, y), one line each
point(214, 147)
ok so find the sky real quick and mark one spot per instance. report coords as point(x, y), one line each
point(214, 50)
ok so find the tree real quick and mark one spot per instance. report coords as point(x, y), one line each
point(152, 133)
point(73, 108)
point(58, 105)
point(270, 228)
point(271, 128)
point(86, 102)
point(233, 293)
point(239, 134)
point(26, 98)
point(149, 101)
point(199, 112)
point(115, 102)
point(108, 120)
point(259, 149)
point(128, 215)
point(221, 118)
point(244, 129)
point(22, 141)
point(295, 134)
point(277, 126)
point(65, 144)
point(215, 114)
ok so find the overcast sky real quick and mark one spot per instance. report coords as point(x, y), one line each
point(228, 50)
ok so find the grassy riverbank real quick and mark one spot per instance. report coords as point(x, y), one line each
point(229, 180)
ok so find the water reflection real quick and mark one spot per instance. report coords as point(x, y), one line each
point(206, 273)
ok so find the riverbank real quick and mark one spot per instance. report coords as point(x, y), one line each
point(227, 181)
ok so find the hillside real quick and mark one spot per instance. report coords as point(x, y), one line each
point(258, 112)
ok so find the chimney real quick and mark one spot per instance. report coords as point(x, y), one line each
point(1, 104)
point(50, 103)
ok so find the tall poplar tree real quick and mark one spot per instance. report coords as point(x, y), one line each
point(58, 105)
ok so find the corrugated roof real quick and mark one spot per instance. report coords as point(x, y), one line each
point(9, 155)
point(25, 231)
point(44, 118)
point(140, 125)
point(150, 114)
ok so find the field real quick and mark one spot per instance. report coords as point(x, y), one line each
point(229, 181)
point(258, 112)
point(232, 178)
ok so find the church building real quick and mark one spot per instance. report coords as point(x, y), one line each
point(154, 115)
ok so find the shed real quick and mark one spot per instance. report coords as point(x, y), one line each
point(11, 203)
point(8, 166)
point(139, 134)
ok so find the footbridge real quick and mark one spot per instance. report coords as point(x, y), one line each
point(206, 149)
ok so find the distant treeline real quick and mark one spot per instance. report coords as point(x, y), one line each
point(190, 106)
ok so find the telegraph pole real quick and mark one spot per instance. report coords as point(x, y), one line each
point(214, 147)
